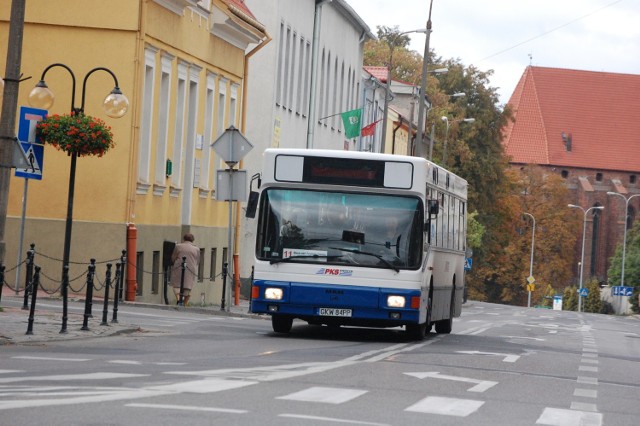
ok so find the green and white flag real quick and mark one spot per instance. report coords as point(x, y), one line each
point(352, 123)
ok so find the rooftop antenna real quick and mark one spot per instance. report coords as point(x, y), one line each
point(530, 58)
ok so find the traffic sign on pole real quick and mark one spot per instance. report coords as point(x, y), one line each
point(32, 148)
point(232, 146)
point(622, 290)
point(468, 263)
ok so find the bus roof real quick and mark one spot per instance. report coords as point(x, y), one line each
point(435, 175)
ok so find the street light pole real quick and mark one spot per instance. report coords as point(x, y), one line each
point(423, 88)
point(624, 241)
point(115, 105)
point(584, 232)
point(8, 107)
point(533, 238)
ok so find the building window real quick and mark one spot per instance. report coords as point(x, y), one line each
point(598, 177)
point(208, 138)
point(222, 103)
point(144, 158)
point(178, 129)
point(632, 179)
point(233, 105)
point(564, 174)
point(280, 71)
point(163, 120)
point(307, 77)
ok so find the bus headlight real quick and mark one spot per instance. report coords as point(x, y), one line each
point(395, 301)
point(272, 293)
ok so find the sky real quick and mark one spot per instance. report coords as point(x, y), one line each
point(506, 36)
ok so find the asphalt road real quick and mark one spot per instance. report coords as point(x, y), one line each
point(501, 366)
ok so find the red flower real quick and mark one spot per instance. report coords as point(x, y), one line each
point(76, 133)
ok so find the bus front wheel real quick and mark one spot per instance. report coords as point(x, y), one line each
point(281, 324)
point(416, 331)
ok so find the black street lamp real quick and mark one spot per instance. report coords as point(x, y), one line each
point(115, 105)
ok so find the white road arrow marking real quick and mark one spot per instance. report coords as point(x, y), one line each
point(481, 385)
point(507, 357)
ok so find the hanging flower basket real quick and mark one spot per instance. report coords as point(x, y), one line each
point(76, 134)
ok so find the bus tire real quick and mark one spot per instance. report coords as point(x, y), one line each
point(429, 324)
point(281, 324)
point(446, 325)
point(416, 331)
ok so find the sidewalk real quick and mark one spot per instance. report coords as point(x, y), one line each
point(14, 321)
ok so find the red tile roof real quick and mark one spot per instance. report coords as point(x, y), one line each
point(378, 72)
point(598, 110)
point(240, 5)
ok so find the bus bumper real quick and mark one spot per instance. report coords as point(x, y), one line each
point(337, 304)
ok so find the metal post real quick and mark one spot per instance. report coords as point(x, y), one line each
point(123, 263)
point(2, 268)
point(8, 109)
point(224, 285)
point(90, 288)
point(423, 88)
point(119, 272)
point(226, 291)
point(34, 294)
point(65, 290)
point(21, 241)
point(29, 278)
point(67, 231)
point(584, 232)
point(533, 238)
point(105, 306)
point(87, 301)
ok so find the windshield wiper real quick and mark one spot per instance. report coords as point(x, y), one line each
point(377, 256)
point(304, 256)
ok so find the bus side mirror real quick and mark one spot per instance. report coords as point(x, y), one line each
point(252, 204)
point(434, 207)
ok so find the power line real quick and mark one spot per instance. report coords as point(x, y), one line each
point(550, 31)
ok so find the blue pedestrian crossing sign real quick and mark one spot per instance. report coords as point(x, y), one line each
point(468, 263)
point(584, 292)
point(30, 144)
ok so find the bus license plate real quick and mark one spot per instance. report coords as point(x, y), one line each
point(334, 312)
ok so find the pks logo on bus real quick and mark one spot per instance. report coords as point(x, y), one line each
point(335, 271)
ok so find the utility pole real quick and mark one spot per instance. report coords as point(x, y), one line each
point(9, 108)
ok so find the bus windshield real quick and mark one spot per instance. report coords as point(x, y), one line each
point(340, 228)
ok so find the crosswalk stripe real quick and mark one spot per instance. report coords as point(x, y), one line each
point(324, 395)
point(562, 417)
point(446, 406)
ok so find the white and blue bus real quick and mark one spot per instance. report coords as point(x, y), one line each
point(359, 239)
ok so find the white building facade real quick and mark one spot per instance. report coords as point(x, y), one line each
point(300, 83)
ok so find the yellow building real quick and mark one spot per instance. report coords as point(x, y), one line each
point(182, 64)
